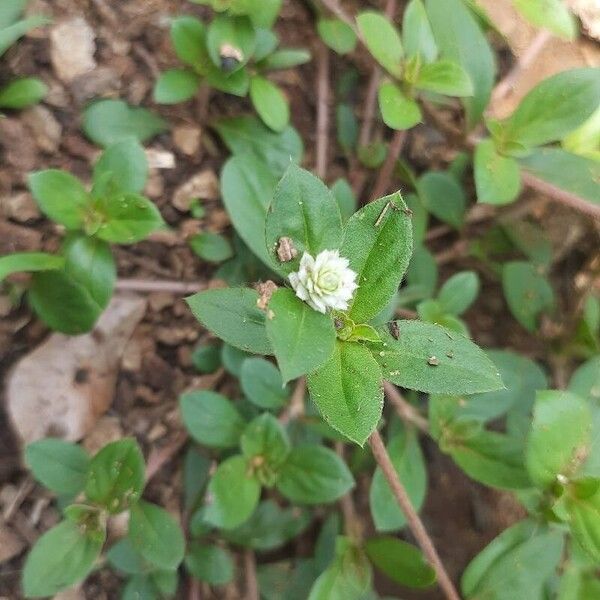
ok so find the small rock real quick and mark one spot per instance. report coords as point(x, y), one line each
point(45, 128)
point(160, 159)
point(20, 207)
point(95, 83)
point(157, 431)
point(16, 238)
point(107, 429)
point(19, 148)
point(187, 139)
point(155, 186)
point(203, 185)
point(11, 544)
point(160, 300)
point(72, 48)
point(64, 385)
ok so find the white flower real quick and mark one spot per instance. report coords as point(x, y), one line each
point(325, 281)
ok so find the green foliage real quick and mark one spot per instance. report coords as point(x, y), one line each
point(339, 36)
point(382, 40)
point(29, 261)
point(22, 93)
point(397, 110)
point(549, 14)
point(443, 197)
point(176, 85)
point(209, 563)
point(270, 103)
point(497, 177)
point(211, 247)
point(262, 383)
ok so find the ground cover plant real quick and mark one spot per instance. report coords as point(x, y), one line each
point(301, 300)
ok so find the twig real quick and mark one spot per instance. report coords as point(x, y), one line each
point(250, 575)
point(414, 522)
point(405, 410)
point(322, 111)
point(23, 491)
point(296, 406)
point(352, 524)
point(506, 85)
point(368, 112)
point(386, 172)
point(148, 287)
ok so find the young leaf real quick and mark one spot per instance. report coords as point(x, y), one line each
point(63, 556)
point(211, 419)
point(206, 358)
point(459, 292)
point(444, 77)
point(497, 177)
point(460, 39)
point(348, 391)
point(430, 359)
point(262, 383)
point(60, 196)
point(286, 58)
point(382, 40)
point(60, 466)
point(29, 262)
point(109, 121)
point(443, 197)
point(417, 36)
point(336, 34)
point(22, 93)
point(233, 494)
point(125, 164)
point(314, 475)
point(270, 103)
point(232, 315)
point(527, 292)
point(116, 476)
point(176, 85)
point(552, 15)
point(407, 458)
point(378, 244)
point(211, 246)
point(234, 31)
point(209, 563)
point(156, 535)
point(397, 110)
point(400, 561)
point(188, 37)
point(555, 107)
point(304, 210)
point(559, 439)
point(302, 338)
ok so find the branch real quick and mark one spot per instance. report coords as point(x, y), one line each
point(382, 184)
point(407, 412)
point(323, 93)
point(148, 287)
point(414, 522)
point(296, 406)
point(250, 575)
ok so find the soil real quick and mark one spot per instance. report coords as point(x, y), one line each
point(132, 45)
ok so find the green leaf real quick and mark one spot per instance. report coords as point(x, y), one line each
point(140, 586)
point(552, 15)
point(209, 563)
point(235, 32)
point(262, 14)
point(417, 36)
point(206, 358)
point(314, 475)
point(211, 419)
point(232, 315)
point(527, 292)
point(346, 128)
point(247, 135)
point(555, 107)
point(211, 246)
point(428, 358)
point(125, 166)
point(443, 197)
point(460, 39)
point(63, 556)
point(10, 34)
point(348, 391)
point(444, 77)
point(22, 93)
point(188, 36)
point(60, 466)
point(378, 244)
point(584, 521)
point(497, 177)
point(11, 11)
point(60, 196)
point(233, 359)
point(156, 535)
point(109, 121)
point(302, 338)
point(400, 561)
point(125, 558)
point(29, 262)
point(382, 40)
point(559, 439)
point(585, 381)
point(270, 103)
point(407, 458)
point(345, 198)
point(262, 384)
point(286, 58)
point(196, 469)
point(336, 34)
point(566, 171)
point(398, 111)
point(459, 292)
point(305, 210)
point(116, 476)
point(233, 494)
point(498, 571)
point(270, 527)
point(176, 85)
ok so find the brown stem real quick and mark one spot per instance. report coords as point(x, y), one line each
point(414, 522)
point(405, 410)
point(148, 287)
point(323, 94)
point(352, 524)
point(296, 406)
point(368, 113)
point(250, 575)
point(386, 172)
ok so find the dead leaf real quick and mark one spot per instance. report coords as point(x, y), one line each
point(63, 386)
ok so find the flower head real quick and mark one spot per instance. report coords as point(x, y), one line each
point(324, 282)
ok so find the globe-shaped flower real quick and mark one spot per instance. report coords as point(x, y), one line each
point(325, 282)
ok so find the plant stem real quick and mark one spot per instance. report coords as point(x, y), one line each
point(386, 172)
point(405, 410)
point(323, 94)
point(149, 287)
point(414, 522)
point(250, 575)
